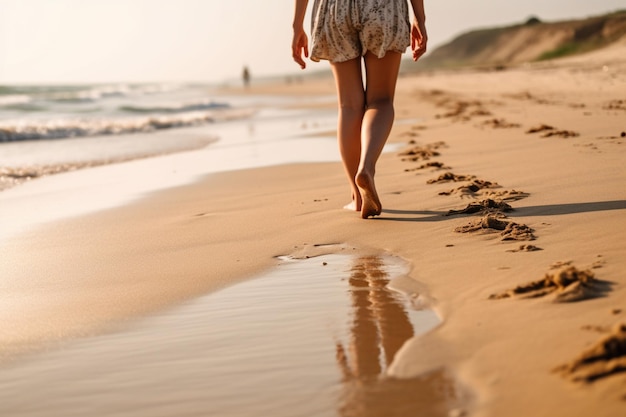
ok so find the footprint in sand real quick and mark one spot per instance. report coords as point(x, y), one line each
point(422, 153)
point(525, 95)
point(483, 206)
point(461, 110)
point(414, 131)
point(550, 131)
point(451, 177)
point(615, 139)
point(561, 134)
point(434, 164)
point(564, 285)
point(497, 223)
point(499, 124)
point(455, 108)
point(505, 195)
point(605, 358)
point(525, 248)
point(472, 189)
point(615, 105)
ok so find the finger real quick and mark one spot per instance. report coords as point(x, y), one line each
point(298, 59)
point(419, 51)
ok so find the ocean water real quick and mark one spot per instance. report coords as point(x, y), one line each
point(58, 112)
point(43, 125)
point(174, 134)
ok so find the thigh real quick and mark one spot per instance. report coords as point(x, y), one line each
point(349, 82)
point(381, 75)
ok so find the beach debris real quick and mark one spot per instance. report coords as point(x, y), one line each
point(496, 222)
point(499, 124)
point(605, 358)
point(451, 177)
point(487, 205)
point(422, 153)
point(567, 284)
point(526, 248)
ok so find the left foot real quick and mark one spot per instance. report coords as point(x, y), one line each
point(355, 204)
point(352, 206)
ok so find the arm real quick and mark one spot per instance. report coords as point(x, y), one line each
point(300, 42)
point(419, 37)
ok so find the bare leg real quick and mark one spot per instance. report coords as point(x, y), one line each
point(381, 77)
point(351, 98)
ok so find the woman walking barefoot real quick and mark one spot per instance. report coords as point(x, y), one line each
point(349, 33)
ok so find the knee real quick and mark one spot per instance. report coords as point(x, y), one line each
point(352, 107)
point(380, 103)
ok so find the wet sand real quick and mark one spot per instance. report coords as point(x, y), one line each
point(517, 204)
point(311, 337)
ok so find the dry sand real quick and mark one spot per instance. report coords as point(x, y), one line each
point(522, 354)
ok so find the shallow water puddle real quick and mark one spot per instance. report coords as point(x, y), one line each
point(313, 337)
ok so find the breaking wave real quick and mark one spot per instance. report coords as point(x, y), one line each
point(182, 108)
point(70, 128)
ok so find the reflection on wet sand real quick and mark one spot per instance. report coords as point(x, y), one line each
point(313, 337)
point(380, 326)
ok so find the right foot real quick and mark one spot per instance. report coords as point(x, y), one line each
point(370, 205)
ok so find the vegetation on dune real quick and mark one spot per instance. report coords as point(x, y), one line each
point(533, 40)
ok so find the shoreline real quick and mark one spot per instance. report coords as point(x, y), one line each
point(197, 238)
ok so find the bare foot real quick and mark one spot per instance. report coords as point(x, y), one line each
point(352, 206)
point(355, 204)
point(370, 203)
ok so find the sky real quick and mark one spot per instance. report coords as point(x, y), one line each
point(79, 41)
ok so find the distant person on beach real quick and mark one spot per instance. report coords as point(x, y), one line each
point(347, 33)
point(245, 75)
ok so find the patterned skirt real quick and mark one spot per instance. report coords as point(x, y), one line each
point(346, 29)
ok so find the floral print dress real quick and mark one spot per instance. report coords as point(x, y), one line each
point(346, 29)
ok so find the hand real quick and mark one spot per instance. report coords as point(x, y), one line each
point(299, 45)
point(419, 39)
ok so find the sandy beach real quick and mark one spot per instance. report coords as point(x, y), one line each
point(506, 199)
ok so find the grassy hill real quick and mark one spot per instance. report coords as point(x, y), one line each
point(533, 40)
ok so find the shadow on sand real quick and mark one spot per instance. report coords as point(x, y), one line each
point(546, 210)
